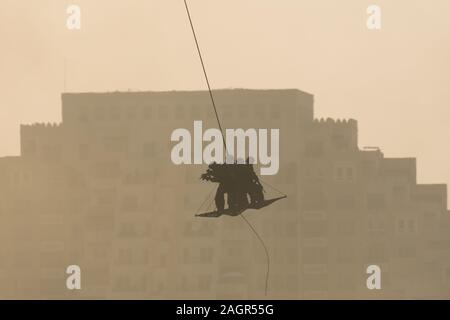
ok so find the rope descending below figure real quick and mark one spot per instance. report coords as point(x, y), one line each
point(224, 143)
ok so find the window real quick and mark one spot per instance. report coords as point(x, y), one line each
point(83, 116)
point(29, 148)
point(315, 282)
point(106, 170)
point(411, 226)
point(234, 252)
point(147, 112)
point(125, 256)
point(346, 282)
point(227, 112)
point(130, 203)
point(243, 111)
point(377, 253)
point(179, 112)
point(447, 275)
point(314, 200)
point(163, 113)
point(52, 153)
point(376, 226)
point(407, 251)
point(429, 219)
point(291, 283)
point(345, 201)
point(314, 149)
point(141, 256)
point(84, 151)
point(99, 113)
point(275, 112)
point(115, 144)
point(291, 229)
point(131, 112)
point(367, 167)
point(339, 142)
point(210, 113)
point(344, 173)
point(123, 283)
point(314, 228)
point(149, 150)
point(401, 225)
point(292, 255)
point(349, 174)
point(114, 113)
point(204, 282)
point(346, 228)
point(206, 255)
point(127, 230)
point(406, 225)
point(398, 194)
point(259, 112)
point(376, 202)
point(345, 255)
point(315, 255)
point(195, 112)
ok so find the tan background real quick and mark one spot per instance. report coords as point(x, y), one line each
point(99, 190)
point(394, 81)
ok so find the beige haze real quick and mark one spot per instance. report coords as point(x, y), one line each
point(394, 81)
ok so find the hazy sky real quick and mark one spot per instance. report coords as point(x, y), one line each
point(395, 81)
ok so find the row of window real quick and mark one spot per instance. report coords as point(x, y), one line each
point(175, 112)
point(375, 202)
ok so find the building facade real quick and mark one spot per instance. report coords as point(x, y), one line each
point(99, 190)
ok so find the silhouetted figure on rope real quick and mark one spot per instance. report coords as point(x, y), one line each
point(238, 181)
point(252, 186)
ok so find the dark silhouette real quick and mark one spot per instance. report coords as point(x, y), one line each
point(238, 181)
point(252, 185)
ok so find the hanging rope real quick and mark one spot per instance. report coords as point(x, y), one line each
point(272, 187)
point(206, 75)
point(224, 142)
point(206, 199)
point(265, 250)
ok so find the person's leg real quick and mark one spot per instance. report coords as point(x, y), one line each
point(241, 194)
point(243, 200)
point(219, 199)
point(232, 199)
point(257, 194)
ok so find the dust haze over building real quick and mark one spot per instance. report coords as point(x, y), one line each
point(99, 190)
